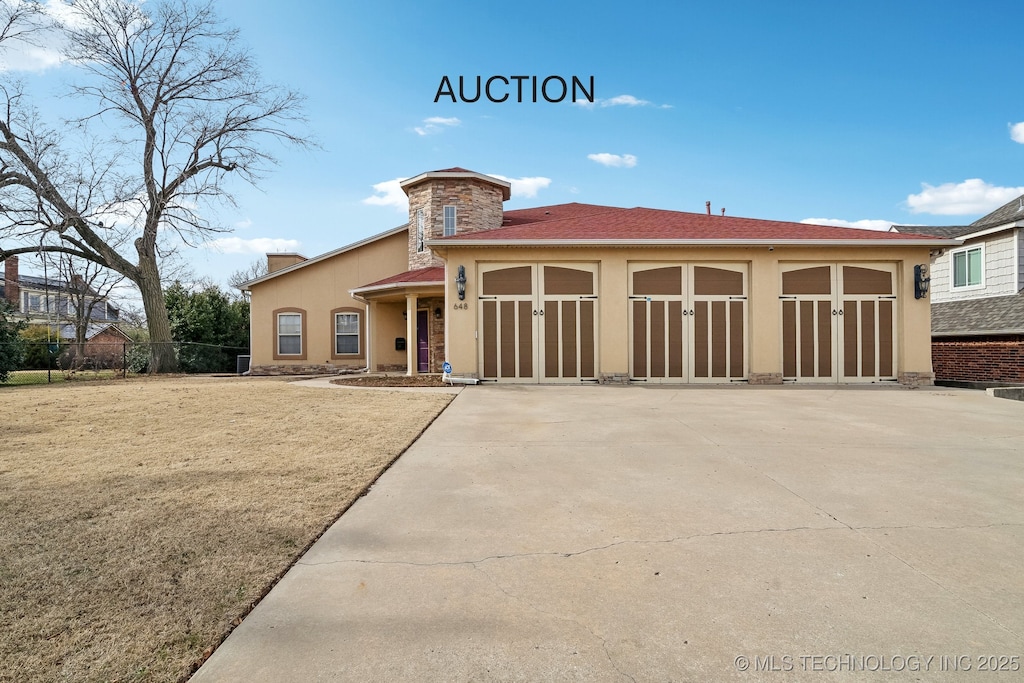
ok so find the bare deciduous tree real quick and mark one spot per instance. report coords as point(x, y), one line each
point(19, 19)
point(87, 286)
point(176, 106)
point(257, 268)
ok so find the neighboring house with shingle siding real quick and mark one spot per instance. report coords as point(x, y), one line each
point(977, 295)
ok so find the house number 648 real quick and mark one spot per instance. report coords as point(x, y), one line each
point(461, 306)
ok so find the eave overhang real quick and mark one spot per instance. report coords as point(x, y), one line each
point(449, 242)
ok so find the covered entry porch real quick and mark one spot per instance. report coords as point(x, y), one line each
point(405, 322)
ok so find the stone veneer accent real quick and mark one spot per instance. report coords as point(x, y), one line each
point(613, 378)
point(435, 332)
point(318, 369)
point(765, 378)
point(917, 379)
point(478, 207)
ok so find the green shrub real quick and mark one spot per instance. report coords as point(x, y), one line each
point(41, 348)
point(12, 347)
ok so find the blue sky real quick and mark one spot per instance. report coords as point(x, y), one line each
point(863, 111)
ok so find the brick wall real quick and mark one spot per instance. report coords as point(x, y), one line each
point(979, 359)
point(12, 291)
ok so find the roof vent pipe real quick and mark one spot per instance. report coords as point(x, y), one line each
point(723, 210)
point(708, 205)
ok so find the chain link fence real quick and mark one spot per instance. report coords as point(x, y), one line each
point(62, 361)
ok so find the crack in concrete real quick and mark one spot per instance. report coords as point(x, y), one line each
point(674, 539)
point(564, 554)
point(920, 572)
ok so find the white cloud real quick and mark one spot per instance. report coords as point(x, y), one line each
point(389, 193)
point(621, 101)
point(959, 199)
point(243, 224)
point(257, 245)
point(614, 160)
point(865, 224)
point(624, 100)
point(44, 47)
point(526, 186)
point(23, 57)
point(436, 124)
point(1017, 132)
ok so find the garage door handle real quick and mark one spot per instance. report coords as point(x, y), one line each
point(686, 312)
point(834, 312)
point(535, 311)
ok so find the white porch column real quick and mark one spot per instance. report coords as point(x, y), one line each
point(371, 336)
point(411, 347)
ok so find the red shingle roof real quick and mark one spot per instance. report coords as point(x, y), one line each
point(591, 222)
point(418, 276)
point(552, 213)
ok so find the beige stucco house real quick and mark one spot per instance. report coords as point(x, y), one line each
point(581, 293)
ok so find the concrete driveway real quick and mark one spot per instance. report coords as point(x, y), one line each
point(649, 534)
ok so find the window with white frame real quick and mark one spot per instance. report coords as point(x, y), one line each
point(34, 302)
point(968, 267)
point(419, 230)
point(289, 334)
point(346, 333)
point(449, 221)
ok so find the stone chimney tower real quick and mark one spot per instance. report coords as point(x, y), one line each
point(12, 290)
point(453, 201)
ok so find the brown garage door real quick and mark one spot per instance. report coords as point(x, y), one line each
point(688, 322)
point(539, 322)
point(839, 322)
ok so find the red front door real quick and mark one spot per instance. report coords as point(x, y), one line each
point(422, 343)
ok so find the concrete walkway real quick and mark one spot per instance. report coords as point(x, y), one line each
point(650, 534)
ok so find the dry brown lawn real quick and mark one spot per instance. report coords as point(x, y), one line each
point(140, 519)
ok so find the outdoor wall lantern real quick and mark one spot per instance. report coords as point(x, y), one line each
point(460, 282)
point(921, 281)
point(437, 313)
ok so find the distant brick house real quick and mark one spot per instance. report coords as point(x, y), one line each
point(576, 293)
point(977, 295)
point(53, 302)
